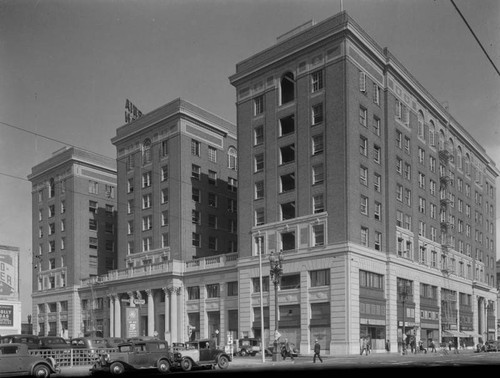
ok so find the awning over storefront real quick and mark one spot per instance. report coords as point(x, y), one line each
point(451, 333)
point(471, 334)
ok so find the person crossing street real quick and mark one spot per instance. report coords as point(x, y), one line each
point(317, 351)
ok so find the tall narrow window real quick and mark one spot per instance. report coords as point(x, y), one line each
point(287, 88)
point(258, 105)
point(317, 113)
point(146, 151)
point(232, 158)
point(317, 81)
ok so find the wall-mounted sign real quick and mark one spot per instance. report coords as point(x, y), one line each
point(132, 316)
point(8, 274)
point(6, 315)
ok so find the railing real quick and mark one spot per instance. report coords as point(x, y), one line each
point(71, 356)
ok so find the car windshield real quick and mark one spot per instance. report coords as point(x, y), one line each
point(55, 341)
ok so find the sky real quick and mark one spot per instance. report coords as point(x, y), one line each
point(67, 67)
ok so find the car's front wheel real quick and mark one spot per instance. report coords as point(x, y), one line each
point(186, 364)
point(117, 368)
point(243, 353)
point(163, 366)
point(41, 371)
point(223, 362)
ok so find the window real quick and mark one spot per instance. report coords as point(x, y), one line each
point(212, 200)
point(130, 247)
point(317, 144)
point(377, 211)
point(376, 154)
point(378, 241)
point(195, 172)
point(408, 196)
point(195, 147)
point(376, 94)
point(363, 145)
point(52, 245)
point(287, 88)
point(371, 280)
point(318, 204)
point(376, 125)
point(93, 187)
point(195, 217)
point(421, 180)
point(130, 206)
point(317, 114)
point(130, 185)
point(362, 82)
point(377, 182)
point(232, 158)
point(362, 116)
point(287, 125)
point(212, 221)
point(164, 195)
point(231, 205)
point(93, 243)
point(146, 179)
point(212, 243)
point(195, 195)
point(320, 277)
point(193, 292)
point(259, 217)
point(256, 284)
point(318, 174)
point(110, 191)
point(147, 244)
point(407, 145)
point(93, 224)
point(363, 205)
point(213, 290)
point(196, 239)
point(258, 162)
point(287, 153)
point(130, 227)
point(317, 81)
point(232, 289)
point(164, 149)
point(287, 182)
point(146, 152)
point(318, 234)
point(52, 210)
point(258, 135)
point(164, 173)
point(164, 218)
point(52, 188)
point(258, 105)
point(147, 223)
point(164, 240)
point(259, 190)
point(63, 207)
point(420, 118)
point(146, 201)
point(363, 175)
point(232, 184)
point(212, 177)
point(287, 210)
point(212, 154)
point(399, 192)
point(364, 236)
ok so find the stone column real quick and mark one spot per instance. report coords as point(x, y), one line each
point(166, 291)
point(111, 315)
point(151, 313)
point(173, 332)
point(118, 316)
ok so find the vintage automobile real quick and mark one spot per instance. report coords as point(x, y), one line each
point(17, 360)
point(53, 342)
point(201, 354)
point(248, 346)
point(32, 341)
point(131, 357)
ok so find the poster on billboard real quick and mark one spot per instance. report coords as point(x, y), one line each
point(9, 258)
point(6, 315)
point(132, 316)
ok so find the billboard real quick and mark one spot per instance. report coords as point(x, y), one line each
point(132, 316)
point(9, 269)
point(6, 315)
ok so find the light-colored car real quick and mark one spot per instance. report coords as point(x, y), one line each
point(15, 360)
point(199, 354)
point(133, 356)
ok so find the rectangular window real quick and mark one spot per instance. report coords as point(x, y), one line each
point(362, 81)
point(362, 116)
point(147, 244)
point(317, 113)
point(164, 149)
point(130, 206)
point(212, 221)
point(147, 223)
point(193, 292)
point(258, 105)
point(363, 175)
point(212, 243)
point(376, 154)
point(377, 182)
point(212, 154)
point(364, 236)
point(363, 205)
point(259, 217)
point(164, 240)
point(164, 173)
point(363, 145)
point(378, 241)
point(377, 211)
point(212, 200)
point(259, 190)
point(196, 240)
point(258, 162)
point(258, 135)
point(232, 184)
point(317, 81)
point(212, 177)
point(318, 204)
point(213, 290)
point(195, 147)
point(130, 185)
point(320, 277)
point(164, 218)
point(318, 174)
point(376, 125)
point(93, 187)
point(195, 172)
point(318, 234)
point(376, 94)
point(146, 179)
point(317, 144)
point(146, 201)
point(232, 289)
point(195, 217)
point(287, 125)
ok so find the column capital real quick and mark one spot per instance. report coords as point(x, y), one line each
point(149, 292)
point(139, 294)
point(172, 290)
point(131, 294)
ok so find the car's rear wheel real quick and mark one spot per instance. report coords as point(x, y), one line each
point(117, 368)
point(243, 352)
point(163, 366)
point(223, 362)
point(186, 364)
point(41, 371)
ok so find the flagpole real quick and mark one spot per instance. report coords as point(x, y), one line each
point(262, 349)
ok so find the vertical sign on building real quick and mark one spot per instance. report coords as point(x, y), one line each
point(8, 274)
point(132, 316)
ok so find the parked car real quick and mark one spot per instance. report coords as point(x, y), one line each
point(53, 342)
point(248, 346)
point(492, 346)
point(198, 354)
point(130, 357)
point(281, 349)
point(178, 346)
point(93, 343)
point(16, 360)
point(113, 342)
point(31, 340)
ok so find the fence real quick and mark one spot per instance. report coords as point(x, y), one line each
point(72, 357)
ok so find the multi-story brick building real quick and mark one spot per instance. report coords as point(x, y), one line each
point(177, 189)
point(381, 202)
point(74, 236)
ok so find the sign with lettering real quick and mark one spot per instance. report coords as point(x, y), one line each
point(6, 315)
point(132, 316)
point(8, 274)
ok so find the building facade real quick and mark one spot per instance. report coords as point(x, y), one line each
point(74, 210)
point(380, 202)
point(10, 304)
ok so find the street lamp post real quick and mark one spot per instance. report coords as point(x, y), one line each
point(276, 272)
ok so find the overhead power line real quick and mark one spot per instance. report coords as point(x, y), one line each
point(477, 39)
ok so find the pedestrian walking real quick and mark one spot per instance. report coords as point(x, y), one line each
point(317, 351)
point(364, 346)
point(287, 351)
point(433, 346)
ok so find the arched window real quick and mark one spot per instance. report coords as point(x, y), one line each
point(420, 124)
point(146, 151)
point(432, 133)
point(441, 140)
point(232, 158)
point(451, 149)
point(459, 157)
point(467, 164)
point(287, 86)
point(52, 188)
